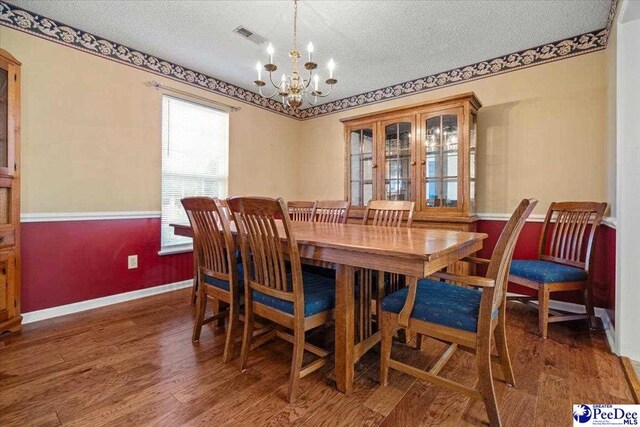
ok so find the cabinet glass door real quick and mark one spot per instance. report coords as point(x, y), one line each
point(441, 160)
point(4, 118)
point(398, 149)
point(362, 163)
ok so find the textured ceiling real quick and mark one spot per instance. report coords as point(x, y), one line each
point(374, 43)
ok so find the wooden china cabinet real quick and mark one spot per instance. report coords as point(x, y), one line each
point(425, 153)
point(10, 318)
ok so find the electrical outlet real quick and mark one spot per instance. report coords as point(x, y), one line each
point(132, 261)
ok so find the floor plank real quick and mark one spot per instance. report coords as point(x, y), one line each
point(134, 364)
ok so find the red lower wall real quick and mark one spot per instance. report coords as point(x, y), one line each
point(71, 261)
point(604, 264)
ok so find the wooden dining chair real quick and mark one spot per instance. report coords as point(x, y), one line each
point(389, 213)
point(565, 258)
point(218, 271)
point(460, 315)
point(382, 213)
point(296, 300)
point(300, 211)
point(332, 211)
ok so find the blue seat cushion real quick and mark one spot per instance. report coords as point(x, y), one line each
point(441, 303)
point(224, 284)
point(546, 272)
point(319, 295)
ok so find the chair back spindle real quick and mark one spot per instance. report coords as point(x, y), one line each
point(335, 212)
point(389, 213)
point(213, 240)
point(500, 263)
point(301, 211)
point(263, 251)
point(569, 232)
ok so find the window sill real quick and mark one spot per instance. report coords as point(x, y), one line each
point(178, 249)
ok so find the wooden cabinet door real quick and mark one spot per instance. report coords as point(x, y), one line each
point(362, 164)
point(397, 158)
point(442, 162)
point(7, 285)
point(8, 116)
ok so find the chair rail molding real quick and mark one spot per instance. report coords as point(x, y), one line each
point(87, 216)
point(608, 220)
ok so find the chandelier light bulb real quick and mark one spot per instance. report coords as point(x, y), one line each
point(315, 82)
point(310, 50)
point(270, 52)
point(259, 69)
point(331, 66)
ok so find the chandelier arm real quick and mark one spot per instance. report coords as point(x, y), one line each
point(306, 86)
point(271, 80)
point(309, 99)
point(324, 95)
point(272, 95)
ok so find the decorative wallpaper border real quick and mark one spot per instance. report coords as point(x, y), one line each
point(578, 45)
point(562, 49)
point(32, 23)
point(29, 22)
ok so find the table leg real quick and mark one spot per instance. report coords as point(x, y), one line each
point(345, 328)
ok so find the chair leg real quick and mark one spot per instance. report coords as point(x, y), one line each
point(543, 310)
point(380, 295)
point(419, 339)
point(385, 350)
point(248, 335)
point(588, 303)
point(234, 322)
point(218, 306)
point(500, 334)
point(485, 381)
point(296, 363)
point(196, 280)
point(201, 307)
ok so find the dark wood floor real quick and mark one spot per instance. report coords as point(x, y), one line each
point(134, 364)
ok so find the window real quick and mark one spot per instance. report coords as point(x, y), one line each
point(195, 161)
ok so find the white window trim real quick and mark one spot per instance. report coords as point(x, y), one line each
point(188, 247)
point(176, 249)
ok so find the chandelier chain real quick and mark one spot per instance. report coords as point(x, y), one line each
point(295, 24)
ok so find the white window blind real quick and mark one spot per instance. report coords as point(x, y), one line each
point(195, 160)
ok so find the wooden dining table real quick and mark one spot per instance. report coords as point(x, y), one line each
point(412, 252)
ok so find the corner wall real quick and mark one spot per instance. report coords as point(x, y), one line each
point(541, 133)
point(91, 146)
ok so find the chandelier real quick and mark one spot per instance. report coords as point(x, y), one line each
point(294, 88)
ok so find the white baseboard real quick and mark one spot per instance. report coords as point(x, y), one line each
point(602, 313)
point(48, 313)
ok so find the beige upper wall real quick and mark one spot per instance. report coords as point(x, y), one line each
point(91, 134)
point(541, 134)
